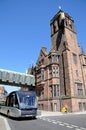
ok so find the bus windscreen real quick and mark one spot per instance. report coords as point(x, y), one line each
point(27, 100)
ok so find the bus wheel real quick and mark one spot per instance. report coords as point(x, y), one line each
point(34, 117)
point(8, 113)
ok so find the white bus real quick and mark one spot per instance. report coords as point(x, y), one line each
point(20, 104)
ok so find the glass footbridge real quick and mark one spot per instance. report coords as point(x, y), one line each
point(16, 79)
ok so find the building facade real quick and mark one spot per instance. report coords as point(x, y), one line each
point(61, 73)
point(3, 94)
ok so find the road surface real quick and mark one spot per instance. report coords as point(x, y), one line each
point(63, 122)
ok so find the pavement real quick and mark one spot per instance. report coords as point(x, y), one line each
point(48, 113)
point(5, 126)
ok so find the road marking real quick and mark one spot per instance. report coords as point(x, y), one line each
point(77, 129)
point(44, 119)
point(74, 125)
point(66, 124)
point(69, 126)
point(61, 124)
point(54, 122)
point(49, 120)
point(82, 128)
point(40, 117)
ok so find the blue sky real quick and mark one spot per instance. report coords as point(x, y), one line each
point(25, 28)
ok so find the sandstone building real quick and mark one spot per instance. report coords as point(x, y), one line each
point(61, 73)
point(3, 94)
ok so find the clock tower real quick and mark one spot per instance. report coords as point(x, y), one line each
point(61, 73)
point(61, 25)
point(64, 42)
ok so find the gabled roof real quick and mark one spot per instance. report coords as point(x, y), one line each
point(43, 53)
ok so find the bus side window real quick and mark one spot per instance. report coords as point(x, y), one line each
point(11, 101)
point(7, 102)
point(15, 100)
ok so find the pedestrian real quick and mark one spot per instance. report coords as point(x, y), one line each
point(64, 109)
